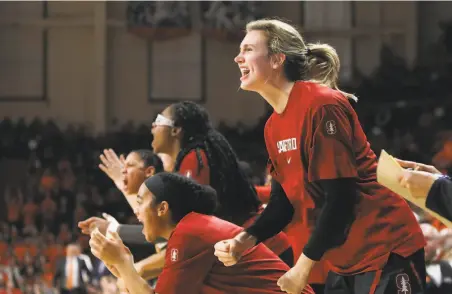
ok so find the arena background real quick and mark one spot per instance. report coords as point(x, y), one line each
point(77, 77)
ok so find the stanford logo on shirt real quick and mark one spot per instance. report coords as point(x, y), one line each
point(287, 145)
point(174, 255)
point(330, 127)
point(403, 284)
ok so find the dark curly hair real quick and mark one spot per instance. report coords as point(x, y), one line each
point(150, 159)
point(237, 198)
point(183, 194)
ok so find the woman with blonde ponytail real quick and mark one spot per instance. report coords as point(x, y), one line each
point(325, 194)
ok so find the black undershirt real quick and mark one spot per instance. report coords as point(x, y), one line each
point(333, 223)
point(439, 198)
point(275, 217)
point(336, 216)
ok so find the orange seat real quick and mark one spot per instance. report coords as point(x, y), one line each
point(3, 247)
point(19, 251)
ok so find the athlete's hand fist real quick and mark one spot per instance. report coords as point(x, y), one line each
point(230, 251)
point(293, 282)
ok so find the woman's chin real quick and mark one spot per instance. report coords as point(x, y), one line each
point(130, 190)
point(155, 147)
point(149, 238)
point(247, 86)
point(126, 190)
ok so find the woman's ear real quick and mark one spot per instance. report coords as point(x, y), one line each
point(149, 171)
point(163, 208)
point(277, 60)
point(176, 131)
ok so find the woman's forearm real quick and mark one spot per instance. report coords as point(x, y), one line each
point(134, 283)
point(151, 266)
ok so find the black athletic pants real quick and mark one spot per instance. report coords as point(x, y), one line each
point(399, 276)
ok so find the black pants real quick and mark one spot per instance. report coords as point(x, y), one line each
point(74, 291)
point(318, 288)
point(399, 276)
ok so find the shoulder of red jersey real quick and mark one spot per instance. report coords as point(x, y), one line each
point(268, 122)
point(189, 164)
point(187, 238)
point(196, 225)
point(320, 95)
point(197, 234)
point(191, 222)
point(183, 246)
point(190, 156)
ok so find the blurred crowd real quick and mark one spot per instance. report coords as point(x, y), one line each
point(49, 183)
point(49, 176)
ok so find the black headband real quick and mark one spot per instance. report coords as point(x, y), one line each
point(155, 185)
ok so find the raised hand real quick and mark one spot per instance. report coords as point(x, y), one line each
point(112, 166)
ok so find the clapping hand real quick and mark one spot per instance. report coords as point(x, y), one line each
point(112, 166)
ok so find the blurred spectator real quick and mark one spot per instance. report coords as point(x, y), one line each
point(70, 272)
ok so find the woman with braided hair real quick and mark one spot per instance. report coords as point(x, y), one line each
point(184, 131)
point(177, 208)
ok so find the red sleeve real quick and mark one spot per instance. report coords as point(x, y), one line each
point(263, 192)
point(331, 154)
point(188, 260)
point(189, 168)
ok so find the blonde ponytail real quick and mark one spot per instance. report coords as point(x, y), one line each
point(324, 65)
